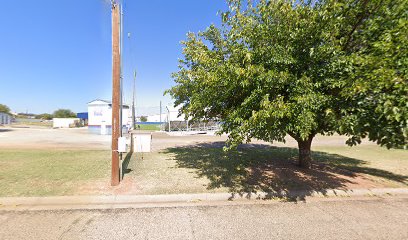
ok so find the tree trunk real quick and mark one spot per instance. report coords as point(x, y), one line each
point(305, 158)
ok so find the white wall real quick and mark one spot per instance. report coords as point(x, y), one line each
point(99, 112)
point(164, 116)
point(64, 122)
point(125, 116)
point(5, 118)
point(174, 114)
point(156, 118)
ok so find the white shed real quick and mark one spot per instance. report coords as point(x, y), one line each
point(65, 122)
point(100, 115)
point(5, 118)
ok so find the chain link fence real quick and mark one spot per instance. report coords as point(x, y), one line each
point(168, 119)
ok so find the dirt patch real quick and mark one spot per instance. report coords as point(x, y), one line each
point(103, 187)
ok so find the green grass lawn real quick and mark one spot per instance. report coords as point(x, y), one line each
point(148, 127)
point(199, 168)
point(389, 166)
point(395, 160)
point(36, 124)
point(50, 172)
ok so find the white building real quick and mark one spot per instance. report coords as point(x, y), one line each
point(5, 118)
point(65, 122)
point(172, 113)
point(100, 115)
point(169, 111)
point(157, 118)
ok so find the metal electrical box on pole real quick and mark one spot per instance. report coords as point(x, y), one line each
point(116, 65)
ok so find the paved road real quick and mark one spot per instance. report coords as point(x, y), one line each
point(372, 218)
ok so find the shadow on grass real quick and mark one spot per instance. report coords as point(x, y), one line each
point(125, 164)
point(262, 168)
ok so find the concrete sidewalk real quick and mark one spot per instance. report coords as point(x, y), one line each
point(171, 200)
point(328, 218)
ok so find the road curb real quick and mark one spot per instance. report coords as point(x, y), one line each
point(174, 200)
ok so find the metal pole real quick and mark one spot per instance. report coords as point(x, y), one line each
point(160, 115)
point(115, 94)
point(168, 116)
point(133, 103)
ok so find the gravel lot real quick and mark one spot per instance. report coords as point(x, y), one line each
point(34, 138)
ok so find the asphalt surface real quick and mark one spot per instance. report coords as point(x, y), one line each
point(371, 218)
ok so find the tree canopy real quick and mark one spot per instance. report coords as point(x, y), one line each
point(143, 118)
point(4, 108)
point(298, 68)
point(44, 116)
point(64, 113)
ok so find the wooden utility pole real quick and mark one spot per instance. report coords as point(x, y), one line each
point(115, 94)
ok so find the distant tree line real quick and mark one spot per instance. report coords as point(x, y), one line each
point(44, 116)
point(64, 113)
point(60, 113)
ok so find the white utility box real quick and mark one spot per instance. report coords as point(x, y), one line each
point(142, 142)
point(122, 145)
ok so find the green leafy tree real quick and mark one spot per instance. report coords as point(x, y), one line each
point(376, 87)
point(64, 113)
point(281, 68)
point(4, 108)
point(143, 119)
point(44, 116)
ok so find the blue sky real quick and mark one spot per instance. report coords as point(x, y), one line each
point(57, 54)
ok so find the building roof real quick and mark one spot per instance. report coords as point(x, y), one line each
point(104, 102)
point(100, 100)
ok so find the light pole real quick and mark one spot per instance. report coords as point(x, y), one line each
point(133, 101)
